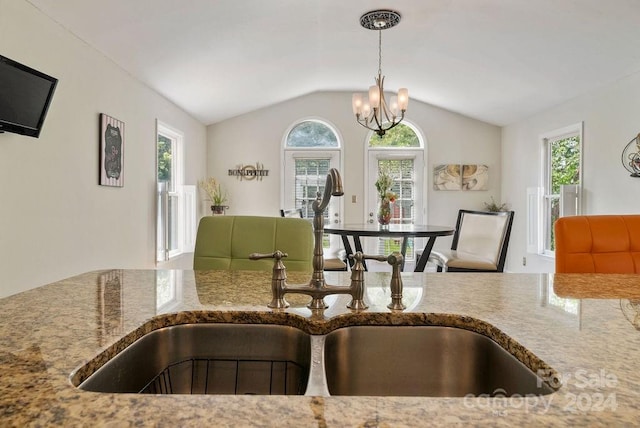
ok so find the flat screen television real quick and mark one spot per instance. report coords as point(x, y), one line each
point(25, 95)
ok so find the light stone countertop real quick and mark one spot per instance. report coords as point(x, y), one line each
point(579, 325)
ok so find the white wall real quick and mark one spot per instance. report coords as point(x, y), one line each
point(55, 219)
point(611, 117)
point(258, 137)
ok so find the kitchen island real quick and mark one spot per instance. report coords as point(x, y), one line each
point(585, 327)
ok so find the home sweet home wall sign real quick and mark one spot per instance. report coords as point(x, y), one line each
point(249, 172)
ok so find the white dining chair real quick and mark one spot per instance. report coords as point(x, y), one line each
point(479, 244)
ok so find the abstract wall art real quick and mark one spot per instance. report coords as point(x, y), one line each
point(447, 177)
point(475, 177)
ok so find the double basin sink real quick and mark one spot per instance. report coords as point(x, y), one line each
point(431, 361)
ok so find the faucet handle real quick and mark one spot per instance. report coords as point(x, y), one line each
point(357, 282)
point(279, 272)
point(277, 254)
point(395, 259)
point(278, 278)
point(375, 257)
point(360, 257)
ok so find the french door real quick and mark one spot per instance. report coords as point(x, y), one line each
point(406, 168)
point(305, 174)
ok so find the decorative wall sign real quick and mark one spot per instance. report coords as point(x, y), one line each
point(111, 151)
point(475, 177)
point(249, 172)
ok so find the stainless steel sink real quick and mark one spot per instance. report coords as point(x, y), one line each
point(210, 359)
point(428, 361)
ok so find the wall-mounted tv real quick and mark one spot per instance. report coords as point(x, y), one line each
point(25, 95)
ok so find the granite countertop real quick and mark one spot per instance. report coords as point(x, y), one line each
point(582, 326)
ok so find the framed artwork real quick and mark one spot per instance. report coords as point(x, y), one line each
point(111, 151)
point(447, 177)
point(475, 177)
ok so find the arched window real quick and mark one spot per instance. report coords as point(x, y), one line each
point(312, 133)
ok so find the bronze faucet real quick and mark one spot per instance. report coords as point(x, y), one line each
point(317, 287)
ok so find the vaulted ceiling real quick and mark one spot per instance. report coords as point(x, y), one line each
point(495, 60)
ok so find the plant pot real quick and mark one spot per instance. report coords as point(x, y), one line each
point(218, 209)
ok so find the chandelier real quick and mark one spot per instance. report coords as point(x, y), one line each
point(374, 112)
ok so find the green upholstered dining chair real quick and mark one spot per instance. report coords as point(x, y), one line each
point(225, 242)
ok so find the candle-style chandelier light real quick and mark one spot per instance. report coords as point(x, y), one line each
point(374, 112)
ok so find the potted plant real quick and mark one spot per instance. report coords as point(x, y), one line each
point(494, 207)
point(215, 194)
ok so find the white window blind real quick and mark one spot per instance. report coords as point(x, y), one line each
point(310, 178)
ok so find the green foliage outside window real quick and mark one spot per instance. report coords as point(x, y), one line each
point(311, 133)
point(164, 158)
point(565, 163)
point(400, 136)
point(564, 158)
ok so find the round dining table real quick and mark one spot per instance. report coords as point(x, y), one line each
point(404, 231)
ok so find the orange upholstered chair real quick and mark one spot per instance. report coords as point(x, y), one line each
point(598, 244)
